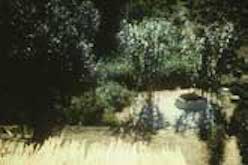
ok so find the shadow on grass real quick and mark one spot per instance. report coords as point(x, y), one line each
point(239, 121)
point(145, 124)
point(207, 120)
point(215, 137)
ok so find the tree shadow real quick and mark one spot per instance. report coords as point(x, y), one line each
point(207, 120)
point(196, 113)
point(239, 122)
point(144, 124)
point(215, 136)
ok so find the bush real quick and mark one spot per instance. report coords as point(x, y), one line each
point(114, 97)
point(114, 69)
point(110, 119)
point(99, 107)
point(84, 110)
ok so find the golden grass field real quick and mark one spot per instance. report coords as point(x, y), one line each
point(96, 146)
point(57, 152)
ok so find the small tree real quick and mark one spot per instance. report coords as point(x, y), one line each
point(218, 55)
point(154, 47)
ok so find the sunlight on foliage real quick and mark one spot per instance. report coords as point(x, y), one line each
point(154, 46)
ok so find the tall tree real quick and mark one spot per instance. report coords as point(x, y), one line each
point(48, 55)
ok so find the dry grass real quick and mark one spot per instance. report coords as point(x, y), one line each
point(193, 149)
point(231, 156)
point(57, 152)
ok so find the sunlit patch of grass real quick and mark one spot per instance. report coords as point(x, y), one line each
point(57, 152)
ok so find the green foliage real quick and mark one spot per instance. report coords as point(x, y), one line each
point(114, 69)
point(110, 119)
point(50, 44)
point(139, 9)
point(218, 54)
point(210, 11)
point(154, 46)
point(72, 29)
point(84, 110)
point(93, 108)
point(224, 24)
point(54, 39)
point(49, 52)
point(114, 97)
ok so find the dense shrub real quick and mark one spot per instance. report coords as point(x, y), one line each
point(116, 69)
point(110, 119)
point(84, 110)
point(114, 97)
point(98, 108)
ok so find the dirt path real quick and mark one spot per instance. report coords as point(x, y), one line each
point(174, 118)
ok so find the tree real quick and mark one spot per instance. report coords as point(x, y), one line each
point(226, 23)
point(225, 26)
point(49, 55)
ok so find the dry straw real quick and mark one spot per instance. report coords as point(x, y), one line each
point(57, 152)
